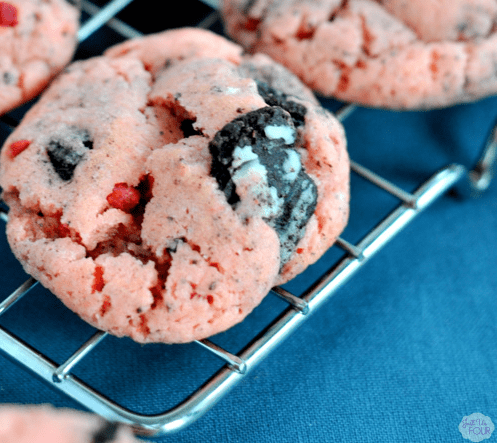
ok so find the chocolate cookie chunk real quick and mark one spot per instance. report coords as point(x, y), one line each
point(261, 143)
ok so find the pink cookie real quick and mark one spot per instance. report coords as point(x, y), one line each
point(162, 189)
point(45, 423)
point(394, 54)
point(37, 39)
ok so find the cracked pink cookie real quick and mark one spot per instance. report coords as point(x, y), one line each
point(162, 189)
point(37, 39)
point(44, 423)
point(393, 54)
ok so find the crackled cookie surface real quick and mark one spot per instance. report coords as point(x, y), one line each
point(162, 189)
point(395, 54)
point(44, 423)
point(37, 39)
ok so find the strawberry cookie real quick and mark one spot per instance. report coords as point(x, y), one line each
point(395, 54)
point(37, 39)
point(44, 423)
point(162, 189)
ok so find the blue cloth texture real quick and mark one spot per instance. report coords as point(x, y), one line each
point(401, 353)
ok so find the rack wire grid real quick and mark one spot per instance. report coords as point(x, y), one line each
point(297, 309)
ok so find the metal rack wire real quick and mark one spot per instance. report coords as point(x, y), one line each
point(59, 374)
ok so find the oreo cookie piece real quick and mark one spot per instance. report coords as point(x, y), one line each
point(165, 203)
point(65, 155)
point(274, 97)
point(255, 153)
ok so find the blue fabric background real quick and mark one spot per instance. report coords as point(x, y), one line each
point(401, 353)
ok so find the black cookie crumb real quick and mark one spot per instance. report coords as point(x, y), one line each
point(9, 78)
point(65, 154)
point(274, 97)
point(106, 433)
point(264, 140)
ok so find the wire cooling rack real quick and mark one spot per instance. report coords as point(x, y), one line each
point(60, 376)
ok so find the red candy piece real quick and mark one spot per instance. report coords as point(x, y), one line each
point(8, 14)
point(18, 147)
point(63, 230)
point(99, 283)
point(124, 197)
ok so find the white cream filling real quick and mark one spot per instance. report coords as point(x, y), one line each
point(242, 155)
point(286, 133)
point(250, 178)
point(291, 166)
